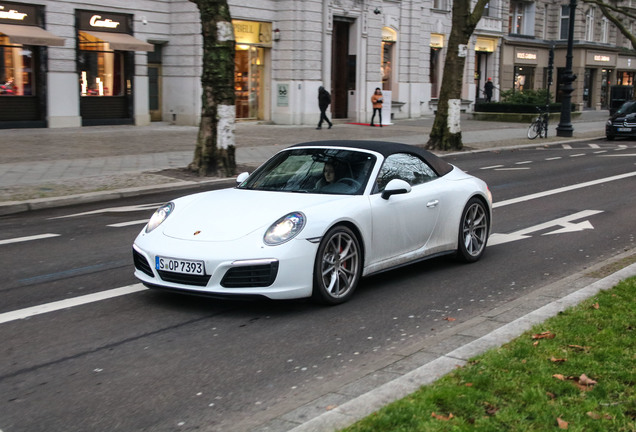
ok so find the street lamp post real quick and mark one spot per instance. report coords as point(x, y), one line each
point(565, 129)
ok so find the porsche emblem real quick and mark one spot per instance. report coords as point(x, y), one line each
point(197, 232)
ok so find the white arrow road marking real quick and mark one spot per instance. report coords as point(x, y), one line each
point(69, 303)
point(123, 209)
point(29, 238)
point(564, 222)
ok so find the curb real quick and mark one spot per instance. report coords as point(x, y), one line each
point(13, 207)
point(367, 403)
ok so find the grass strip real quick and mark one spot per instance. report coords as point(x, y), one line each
point(576, 371)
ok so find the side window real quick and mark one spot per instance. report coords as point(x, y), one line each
point(407, 167)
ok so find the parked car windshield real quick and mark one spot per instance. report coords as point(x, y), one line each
point(627, 108)
point(324, 171)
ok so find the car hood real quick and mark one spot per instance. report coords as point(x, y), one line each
point(230, 214)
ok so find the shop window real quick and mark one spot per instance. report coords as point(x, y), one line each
point(389, 37)
point(101, 69)
point(521, 18)
point(524, 78)
point(589, 25)
point(564, 26)
point(17, 67)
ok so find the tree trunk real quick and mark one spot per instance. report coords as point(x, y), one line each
point(215, 152)
point(446, 132)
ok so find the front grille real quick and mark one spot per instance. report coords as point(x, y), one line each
point(141, 263)
point(250, 276)
point(184, 279)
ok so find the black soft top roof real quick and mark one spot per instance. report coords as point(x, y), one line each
point(385, 148)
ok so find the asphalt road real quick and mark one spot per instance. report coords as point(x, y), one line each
point(151, 361)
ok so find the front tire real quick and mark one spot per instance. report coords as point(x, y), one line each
point(338, 266)
point(534, 129)
point(473, 231)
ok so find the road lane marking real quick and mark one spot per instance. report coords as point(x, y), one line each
point(491, 167)
point(511, 169)
point(123, 209)
point(620, 155)
point(566, 223)
point(125, 224)
point(554, 158)
point(578, 155)
point(523, 162)
point(594, 146)
point(28, 238)
point(567, 146)
point(69, 303)
point(562, 189)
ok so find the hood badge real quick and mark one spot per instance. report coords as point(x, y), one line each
point(197, 232)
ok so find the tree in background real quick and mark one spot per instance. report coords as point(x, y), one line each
point(446, 132)
point(215, 151)
point(616, 14)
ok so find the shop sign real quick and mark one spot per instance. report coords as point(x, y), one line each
point(437, 40)
point(389, 35)
point(14, 13)
point(600, 58)
point(282, 99)
point(253, 32)
point(526, 55)
point(485, 45)
point(104, 21)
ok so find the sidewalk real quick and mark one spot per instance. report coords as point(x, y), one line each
point(42, 168)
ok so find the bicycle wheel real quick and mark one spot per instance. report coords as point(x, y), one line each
point(534, 129)
point(544, 129)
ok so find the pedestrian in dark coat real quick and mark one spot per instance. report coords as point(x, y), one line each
point(488, 89)
point(324, 99)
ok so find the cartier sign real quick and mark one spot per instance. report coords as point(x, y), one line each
point(104, 21)
point(16, 13)
point(97, 21)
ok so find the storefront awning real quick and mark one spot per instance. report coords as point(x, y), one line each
point(122, 41)
point(30, 35)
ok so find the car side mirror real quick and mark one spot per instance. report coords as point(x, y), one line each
point(396, 187)
point(242, 177)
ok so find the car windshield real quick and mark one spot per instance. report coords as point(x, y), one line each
point(627, 108)
point(314, 170)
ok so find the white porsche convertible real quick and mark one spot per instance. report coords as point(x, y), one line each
point(313, 220)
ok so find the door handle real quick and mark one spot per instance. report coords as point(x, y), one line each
point(432, 204)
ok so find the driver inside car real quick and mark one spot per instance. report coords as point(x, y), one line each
point(328, 176)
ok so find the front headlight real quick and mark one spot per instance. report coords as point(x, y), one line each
point(284, 229)
point(609, 122)
point(159, 216)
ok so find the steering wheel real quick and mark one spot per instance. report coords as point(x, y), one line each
point(349, 181)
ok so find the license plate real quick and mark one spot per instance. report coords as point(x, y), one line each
point(624, 129)
point(179, 266)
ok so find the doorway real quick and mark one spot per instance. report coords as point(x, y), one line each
point(154, 84)
point(342, 68)
point(248, 76)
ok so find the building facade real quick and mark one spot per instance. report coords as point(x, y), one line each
point(68, 63)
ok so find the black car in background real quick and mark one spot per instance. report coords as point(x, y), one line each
point(623, 122)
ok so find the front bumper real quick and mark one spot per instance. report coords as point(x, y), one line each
point(239, 268)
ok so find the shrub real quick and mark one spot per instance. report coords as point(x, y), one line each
point(531, 97)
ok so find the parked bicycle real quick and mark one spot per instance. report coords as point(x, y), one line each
point(539, 126)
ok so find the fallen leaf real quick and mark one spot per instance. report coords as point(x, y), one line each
point(449, 319)
point(490, 409)
point(551, 395)
point(593, 415)
point(558, 360)
point(559, 377)
point(544, 335)
point(579, 347)
point(535, 343)
point(562, 423)
point(442, 417)
point(585, 380)
point(331, 407)
point(468, 384)
point(596, 305)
